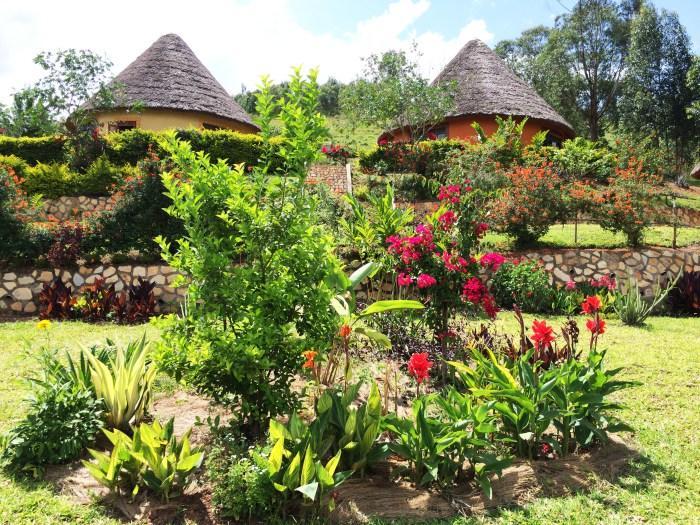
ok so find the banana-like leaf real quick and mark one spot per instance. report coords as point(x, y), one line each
point(391, 304)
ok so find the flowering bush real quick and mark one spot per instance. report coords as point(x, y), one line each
point(626, 205)
point(336, 153)
point(530, 204)
point(436, 260)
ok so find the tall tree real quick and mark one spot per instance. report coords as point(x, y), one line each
point(578, 65)
point(659, 90)
point(597, 36)
point(393, 95)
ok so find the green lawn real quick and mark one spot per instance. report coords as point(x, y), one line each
point(662, 487)
point(593, 236)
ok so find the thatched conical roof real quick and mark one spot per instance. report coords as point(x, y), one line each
point(168, 75)
point(485, 85)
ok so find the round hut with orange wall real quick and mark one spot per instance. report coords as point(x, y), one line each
point(485, 87)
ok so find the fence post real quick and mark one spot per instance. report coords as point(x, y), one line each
point(675, 223)
point(348, 177)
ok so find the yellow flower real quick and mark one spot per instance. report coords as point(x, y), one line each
point(44, 324)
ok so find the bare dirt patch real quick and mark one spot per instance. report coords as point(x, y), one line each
point(520, 483)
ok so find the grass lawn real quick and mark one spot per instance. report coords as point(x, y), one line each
point(593, 236)
point(662, 487)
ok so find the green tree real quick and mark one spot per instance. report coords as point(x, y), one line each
point(28, 115)
point(259, 265)
point(393, 95)
point(658, 90)
point(578, 65)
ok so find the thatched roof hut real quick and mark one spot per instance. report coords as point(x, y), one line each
point(174, 90)
point(485, 87)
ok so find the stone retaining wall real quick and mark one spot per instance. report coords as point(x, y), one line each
point(646, 266)
point(74, 207)
point(19, 289)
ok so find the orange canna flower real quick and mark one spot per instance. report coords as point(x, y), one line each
point(309, 355)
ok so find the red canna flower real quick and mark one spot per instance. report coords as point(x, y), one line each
point(419, 365)
point(542, 334)
point(596, 326)
point(591, 305)
point(345, 331)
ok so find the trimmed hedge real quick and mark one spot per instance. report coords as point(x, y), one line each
point(34, 149)
point(131, 146)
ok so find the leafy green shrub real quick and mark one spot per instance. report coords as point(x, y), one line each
point(61, 422)
point(523, 283)
point(132, 146)
point(138, 215)
point(627, 204)
point(20, 242)
point(242, 488)
point(423, 158)
point(535, 382)
point(580, 158)
point(436, 450)
point(34, 149)
point(99, 177)
point(50, 180)
point(258, 264)
point(154, 459)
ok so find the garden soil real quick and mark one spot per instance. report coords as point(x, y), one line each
point(359, 500)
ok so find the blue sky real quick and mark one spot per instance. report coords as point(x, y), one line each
point(504, 18)
point(239, 40)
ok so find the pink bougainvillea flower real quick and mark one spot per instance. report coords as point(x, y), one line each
point(596, 326)
point(542, 334)
point(447, 220)
point(450, 193)
point(489, 306)
point(480, 229)
point(570, 285)
point(474, 290)
point(591, 305)
point(492, 260)
point(453, 263)
point(419, 366)
point(426, 281)
point(404, 279)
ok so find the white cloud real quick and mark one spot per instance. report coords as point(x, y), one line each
point(238, 40)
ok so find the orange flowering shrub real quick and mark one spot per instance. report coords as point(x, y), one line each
point(626, 205)
point(18, 241)
point(530, 204)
